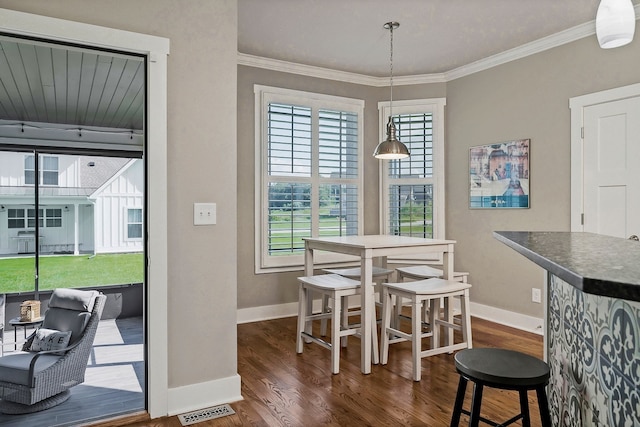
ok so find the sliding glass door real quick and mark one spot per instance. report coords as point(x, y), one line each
point(72, 204)
point(18, 239)
point(83, 227)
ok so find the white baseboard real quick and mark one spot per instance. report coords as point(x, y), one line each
point(508, 318)
point(493, 314)
point(203, 395)
point(267, 312)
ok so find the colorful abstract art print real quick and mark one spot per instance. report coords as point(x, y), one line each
point(499, 175)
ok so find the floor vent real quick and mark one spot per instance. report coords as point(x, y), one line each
point(205, 414)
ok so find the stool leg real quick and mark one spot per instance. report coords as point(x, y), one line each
point(434, 316)
point(416, 337)
point(397, 311)
point(524, 409)
point(375, 349)
point(308, 326)
point(543, 404)
point(302, 316)
point(466, 318)
point(448, 312)
point(386, 322)
point(324, 309)
point(335, 334)
point(344, 318)
point(476, 402)
point(457, 407)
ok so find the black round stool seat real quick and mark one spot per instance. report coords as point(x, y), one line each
point(502, 369)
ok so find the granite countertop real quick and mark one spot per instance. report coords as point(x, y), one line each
point(594, 263)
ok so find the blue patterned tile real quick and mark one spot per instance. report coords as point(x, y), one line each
point(594, 356)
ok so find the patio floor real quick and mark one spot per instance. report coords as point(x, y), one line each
point(114, 381)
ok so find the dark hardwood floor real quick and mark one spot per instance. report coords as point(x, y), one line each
point(282, 388)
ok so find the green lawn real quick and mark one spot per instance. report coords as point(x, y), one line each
point(70, 271)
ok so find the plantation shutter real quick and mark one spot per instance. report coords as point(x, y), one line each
point(289, 155)
point(291, 176)
point(410, 202)
point(309, 164)
point(338, 170)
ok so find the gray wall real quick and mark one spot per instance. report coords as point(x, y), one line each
point(528, 98)
point(201, 135)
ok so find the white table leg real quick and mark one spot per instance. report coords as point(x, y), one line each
point(308, 260)
point(366, 309)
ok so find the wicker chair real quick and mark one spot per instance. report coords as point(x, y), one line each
point(32, 381)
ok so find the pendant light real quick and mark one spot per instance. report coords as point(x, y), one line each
point(391, 148)
point(615, 23)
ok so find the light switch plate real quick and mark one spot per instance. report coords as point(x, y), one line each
point(204, 213)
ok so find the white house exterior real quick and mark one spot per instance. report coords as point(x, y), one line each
point(86, 204)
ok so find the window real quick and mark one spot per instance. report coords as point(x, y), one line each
point(46, 217)
point(15, 218)
point(53, 218)
point(308, 154)
point(134, 223)
point(31, 218)
point(412, 194)
point(48, 170)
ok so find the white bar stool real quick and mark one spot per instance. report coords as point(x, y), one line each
point(338, 289)
point(378, 274)
point(421, 272)
point(420, 293)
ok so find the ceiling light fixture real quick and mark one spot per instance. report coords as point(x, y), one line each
point(391, 148)
point(615, 23)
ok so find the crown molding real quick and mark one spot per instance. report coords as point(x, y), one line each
point(567, 36)
point(327, 73)
point(537, 46)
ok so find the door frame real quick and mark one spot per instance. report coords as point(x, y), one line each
point(156, 50)
point(577, 106)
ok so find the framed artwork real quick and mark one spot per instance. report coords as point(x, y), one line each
point(499, 175)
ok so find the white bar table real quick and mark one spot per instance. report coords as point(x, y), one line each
point(368, 247)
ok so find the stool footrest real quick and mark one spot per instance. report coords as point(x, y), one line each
point(445, 349)
point(404, 336)
point(493, 423)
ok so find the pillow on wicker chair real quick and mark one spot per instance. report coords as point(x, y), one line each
point(50, 339)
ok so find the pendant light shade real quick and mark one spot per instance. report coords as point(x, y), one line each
point(391, 148)
point(615, 23)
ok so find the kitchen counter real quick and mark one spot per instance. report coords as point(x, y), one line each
point(592, 263)
point(592, 324)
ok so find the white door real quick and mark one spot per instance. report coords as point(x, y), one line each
point(611, 168)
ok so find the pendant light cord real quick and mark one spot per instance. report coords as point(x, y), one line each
point(391, 72)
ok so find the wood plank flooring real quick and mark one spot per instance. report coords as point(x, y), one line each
point(282, 388)
point(113, 385)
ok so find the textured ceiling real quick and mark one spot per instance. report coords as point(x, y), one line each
point(435, 36)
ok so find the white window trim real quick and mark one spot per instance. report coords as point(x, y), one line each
point(157, 49)
point(263, 96)
point(435, 106)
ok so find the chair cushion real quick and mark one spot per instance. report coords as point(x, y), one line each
point(50, 339)
point(14, 367)
point(64, 320)
point(70, 310)
point(73, 299)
